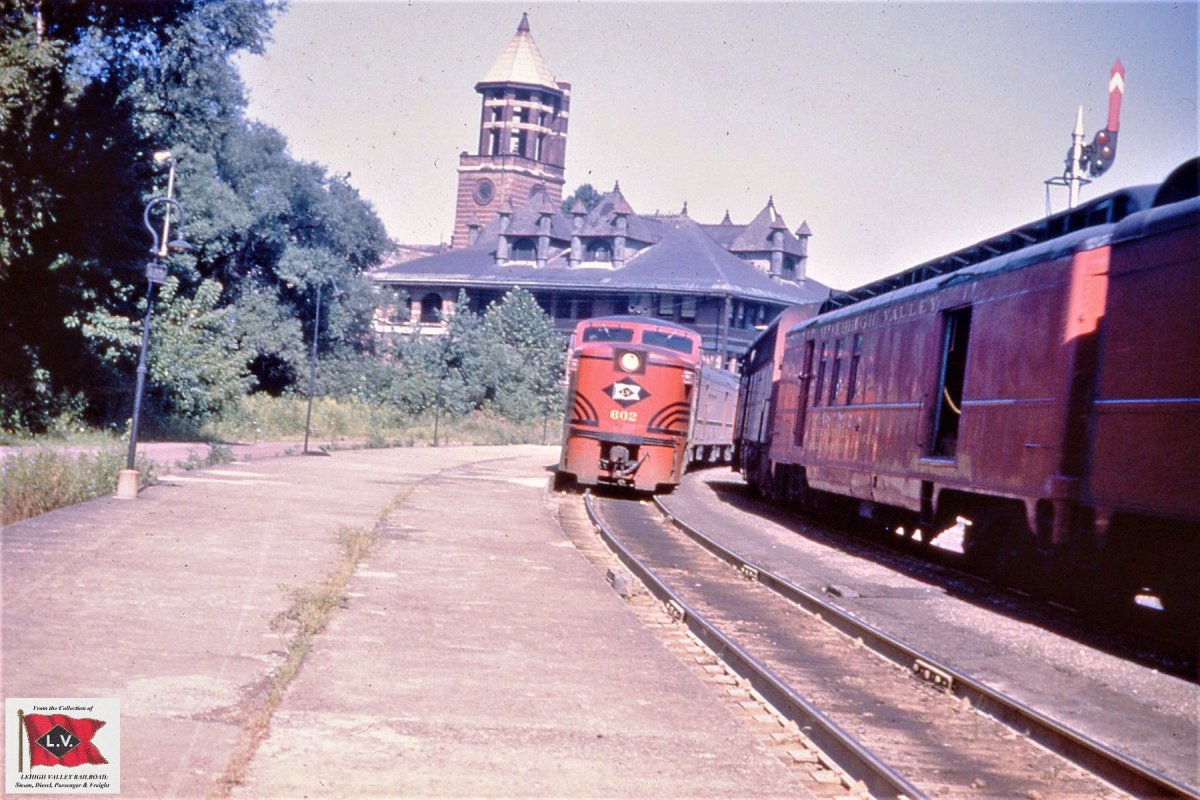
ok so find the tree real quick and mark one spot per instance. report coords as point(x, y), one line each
point(441, 373)
point(586, 194)
point(88, 89)
point(195, 365)
point(510, 360)
point(524, 357)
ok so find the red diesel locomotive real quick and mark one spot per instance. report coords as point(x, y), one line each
point(1042, 388)
point(632, 396)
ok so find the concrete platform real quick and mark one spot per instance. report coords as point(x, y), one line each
point(477, 652)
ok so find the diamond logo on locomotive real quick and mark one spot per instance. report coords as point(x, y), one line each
point(625, 393)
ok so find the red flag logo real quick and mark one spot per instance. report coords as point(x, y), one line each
point(56, 740)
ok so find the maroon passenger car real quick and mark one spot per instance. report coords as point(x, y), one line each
point(1047, 394)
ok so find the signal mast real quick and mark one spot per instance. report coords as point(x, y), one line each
point(1095, 158)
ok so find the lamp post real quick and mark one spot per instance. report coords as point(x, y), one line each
point(156, 273)
point(312, 365)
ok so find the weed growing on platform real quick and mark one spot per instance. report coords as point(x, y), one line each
point(306, 616)
point(217, 454)
point(44, 479)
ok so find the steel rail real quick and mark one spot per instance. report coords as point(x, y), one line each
point(859, 763)
point(1116, 768)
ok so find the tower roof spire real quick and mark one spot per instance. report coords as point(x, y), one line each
point(521, 62)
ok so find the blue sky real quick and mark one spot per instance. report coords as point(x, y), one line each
point(897, 131)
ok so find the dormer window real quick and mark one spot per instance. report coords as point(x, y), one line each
point(599, 250)
point(524, 249)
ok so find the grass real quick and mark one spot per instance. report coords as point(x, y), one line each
point(264, 418)
point(43, 479)
point(46, 475)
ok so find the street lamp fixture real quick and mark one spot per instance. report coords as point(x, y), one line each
point(312, 365)
point(156, 273)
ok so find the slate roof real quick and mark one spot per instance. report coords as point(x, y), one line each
point(677, 255)
point(521, 62)
point(756, 236)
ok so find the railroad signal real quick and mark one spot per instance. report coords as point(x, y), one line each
point(1095, 158)
point(1099, 155)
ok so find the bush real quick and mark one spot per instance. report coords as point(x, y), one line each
point(260, 417)
point(44, 479)
point(263, 418)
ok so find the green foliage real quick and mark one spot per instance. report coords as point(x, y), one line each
point(586, 194)
point(524, 358)
point(509, 361)
point(264, 418)
point(196, 366)
point(29, 89)
point(260, 417)
point(88, 90)
point(218, 454)
point(44, 479)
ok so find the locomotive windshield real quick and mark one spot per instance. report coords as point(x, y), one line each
point(603, 333)
point(671, 341)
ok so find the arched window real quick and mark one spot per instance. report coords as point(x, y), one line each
point(524, 249)
point(599, 250)
point(431, 307)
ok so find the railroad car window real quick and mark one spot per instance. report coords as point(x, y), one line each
point(820, 377)
point(852, 380)
point(837, 369)
point(603, 333)
point(671, 341)
point(956, 330)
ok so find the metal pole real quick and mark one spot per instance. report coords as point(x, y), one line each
point(141, 376)
point(1076, 154)
point(312, 368)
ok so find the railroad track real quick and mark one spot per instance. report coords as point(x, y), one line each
point(889, 716)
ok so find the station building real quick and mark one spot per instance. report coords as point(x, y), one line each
point(725, 280)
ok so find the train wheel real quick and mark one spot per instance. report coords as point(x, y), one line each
point(998, 546)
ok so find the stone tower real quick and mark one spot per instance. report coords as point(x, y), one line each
point(522, 138)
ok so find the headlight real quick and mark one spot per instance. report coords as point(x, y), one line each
point(630, 362)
